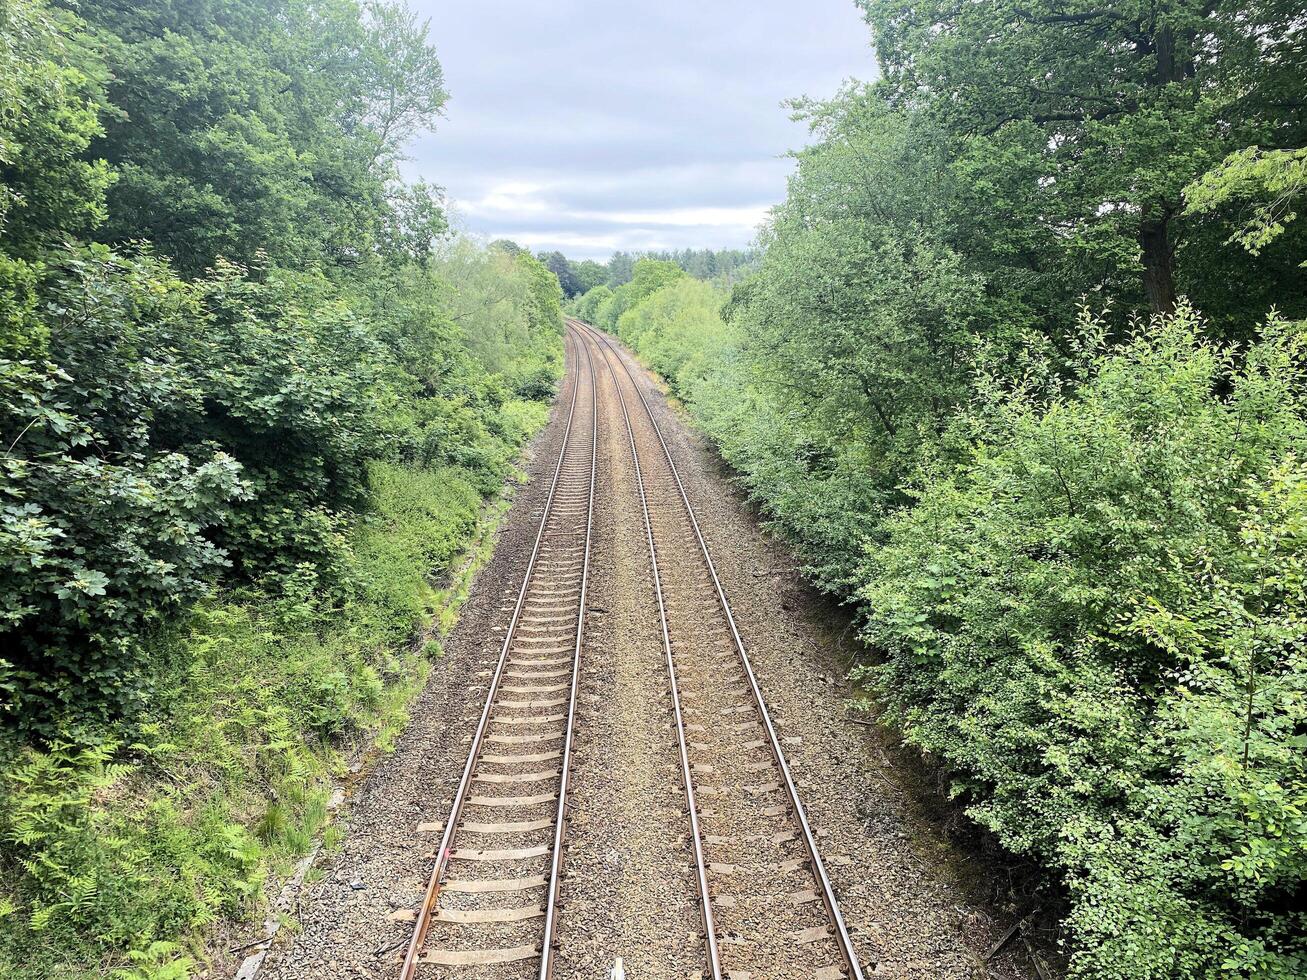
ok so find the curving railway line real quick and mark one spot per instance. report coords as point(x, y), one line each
point(504, 835)
point(491, 906)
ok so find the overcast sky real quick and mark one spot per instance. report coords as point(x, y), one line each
point(589, 126)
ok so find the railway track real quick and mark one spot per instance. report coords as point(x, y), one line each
point(767, 903)
point(491, 903)
point(492, 895)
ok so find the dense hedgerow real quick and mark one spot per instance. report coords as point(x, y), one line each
point(113, 846)
point(1096, 620)
point(1079, 568)
point(253, 398)
point(162, 431)
point(1089, 609)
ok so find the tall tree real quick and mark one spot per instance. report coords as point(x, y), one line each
point(50, 87)
point(1092, 117)
point(621, 266)
point(558, 264)
point(262, 125)
point(589, 274)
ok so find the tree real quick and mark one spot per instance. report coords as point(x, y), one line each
point(1095, 619)
point(401, 87)
point(1276, 179)
point(621, 266)
point(1092, 118)
point(261, 126)
point(587, 305)
point(647, 276)
point(51, 187)
point(588, 274)
point(558, 264)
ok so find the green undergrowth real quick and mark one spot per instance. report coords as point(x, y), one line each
point(125, 847)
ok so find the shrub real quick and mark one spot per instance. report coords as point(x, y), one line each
point(157, 430)
point(111, 851)
point(586, 306)
point(678, 330)
point(648, 276)
point(102, 529)
point(1096, 622)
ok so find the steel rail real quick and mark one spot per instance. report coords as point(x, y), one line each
point(432, 895)
point(701, 869)
point(556, 862)
point(845, 944)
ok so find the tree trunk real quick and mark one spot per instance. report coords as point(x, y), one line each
point(1159, 283)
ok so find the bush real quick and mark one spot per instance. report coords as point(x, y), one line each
point(103, 529)
point(678, 331)
point(586, 306)
point(648, 276)
point(108, 850)
point(158, 430)
point(1096, 622)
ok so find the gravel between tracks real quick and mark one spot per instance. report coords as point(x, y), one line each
point(629, 888)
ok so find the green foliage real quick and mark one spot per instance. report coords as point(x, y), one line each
point(49, 90)
point(1073, 131)
point(508, 310)
point(563, 270)
point(85, 876)
point(1095, 621)
point(110, 851)
point(265, 126)
point(104, 527)
point(419, 522)
point(1278, 178)
point(586, 306)
point(586, 274)
point(725, 266)
point(620, 267)
point(156, 431)
point(228, 492)
point(679, 332)
point(648, 276)
point(158, 961)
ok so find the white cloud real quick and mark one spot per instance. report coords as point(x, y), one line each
point(737, 218)
point(588, 126)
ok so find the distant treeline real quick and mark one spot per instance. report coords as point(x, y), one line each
point(577, 277)
point(1022, 373)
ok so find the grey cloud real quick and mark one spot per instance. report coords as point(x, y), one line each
point(575, 124)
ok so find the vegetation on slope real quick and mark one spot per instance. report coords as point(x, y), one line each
point(1020, 373)
point(252, 401)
